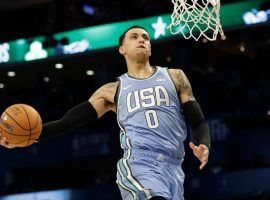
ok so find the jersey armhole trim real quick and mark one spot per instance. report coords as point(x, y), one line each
point(171, 80)
point(117, 94)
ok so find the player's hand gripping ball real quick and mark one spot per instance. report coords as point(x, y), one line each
point(20, 125)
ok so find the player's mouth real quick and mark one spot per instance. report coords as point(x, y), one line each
point(141, 46)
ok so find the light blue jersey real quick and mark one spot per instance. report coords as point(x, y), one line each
point(152, 134)
point(149, 114)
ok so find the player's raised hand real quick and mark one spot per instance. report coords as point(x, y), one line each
point(201, 152)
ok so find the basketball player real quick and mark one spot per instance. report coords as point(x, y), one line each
point(151, 103)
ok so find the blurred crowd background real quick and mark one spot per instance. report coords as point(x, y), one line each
point(230, 80)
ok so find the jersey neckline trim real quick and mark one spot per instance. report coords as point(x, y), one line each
point(143, 79)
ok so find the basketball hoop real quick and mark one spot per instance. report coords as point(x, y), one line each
point(196, 18)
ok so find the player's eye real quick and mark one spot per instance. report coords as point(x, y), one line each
point(146, 37)
point(133, 37)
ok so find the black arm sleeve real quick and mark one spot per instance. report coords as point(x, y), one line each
point(77, 116)
point(195, 118)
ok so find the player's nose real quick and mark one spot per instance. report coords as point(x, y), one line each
point(141, 40)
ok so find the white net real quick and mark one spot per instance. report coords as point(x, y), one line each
point(196, 18)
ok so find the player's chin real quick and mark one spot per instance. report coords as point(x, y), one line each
point(144, 53)
point(142, 57)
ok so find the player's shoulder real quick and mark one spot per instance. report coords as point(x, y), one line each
point(174, 72)
point(111, 85)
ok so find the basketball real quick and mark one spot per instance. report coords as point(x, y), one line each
point(21, 125)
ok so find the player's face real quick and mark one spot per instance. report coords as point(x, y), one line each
point(136, 42)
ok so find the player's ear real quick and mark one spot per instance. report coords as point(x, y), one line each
point(122, 50)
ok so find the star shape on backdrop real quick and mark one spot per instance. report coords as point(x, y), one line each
point(159, 27)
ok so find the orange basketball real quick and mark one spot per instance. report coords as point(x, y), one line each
point(21, 125)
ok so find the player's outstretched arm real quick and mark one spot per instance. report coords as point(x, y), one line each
point(194, 115)
point(98, 104)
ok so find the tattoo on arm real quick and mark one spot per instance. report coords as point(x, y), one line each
point(184, 86)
